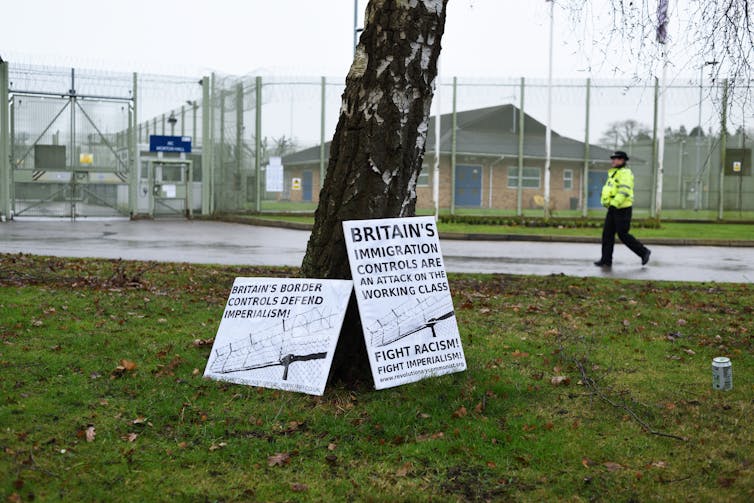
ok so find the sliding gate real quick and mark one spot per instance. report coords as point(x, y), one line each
point(69, 153)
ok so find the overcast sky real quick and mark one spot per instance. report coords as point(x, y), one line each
point(483, 38)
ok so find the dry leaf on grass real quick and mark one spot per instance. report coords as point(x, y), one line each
point(279, 459)
point(403, 470)
point(90, 433)
point(560, 381)
point(612, 466)
point(299, 488)
point(460, 412)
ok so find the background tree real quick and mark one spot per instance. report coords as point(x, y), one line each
point(377, 150)
point(622, 133)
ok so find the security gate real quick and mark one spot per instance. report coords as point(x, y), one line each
point(165, 187)
point(69, 153)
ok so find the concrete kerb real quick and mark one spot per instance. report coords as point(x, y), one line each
point(538, 238)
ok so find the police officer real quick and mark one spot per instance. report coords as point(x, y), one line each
point(617, 197)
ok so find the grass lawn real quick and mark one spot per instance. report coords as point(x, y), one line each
point(668, 230)
point(577, 389)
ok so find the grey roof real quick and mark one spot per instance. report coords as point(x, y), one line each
point(491, 131)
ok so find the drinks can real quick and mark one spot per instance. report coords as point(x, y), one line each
point(722, 373)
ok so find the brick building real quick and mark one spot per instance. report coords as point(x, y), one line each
point(486, 165)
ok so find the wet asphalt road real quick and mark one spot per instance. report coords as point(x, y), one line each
point(225, 243)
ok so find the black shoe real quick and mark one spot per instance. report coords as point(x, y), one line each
point(645, 257)
point(602, 263)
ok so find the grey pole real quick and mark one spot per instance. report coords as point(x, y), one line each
point(681, 153)
point(587, 153)
point(453, 138)
point(653, 189)
point(355, 24)
point(183, 120)
point(133, 172)
point(163, 124)
point(206, 149)
point(239, 150)
point(193, 123)
point(698, 177)
point(322, 135)
point(223, 202)
point(211, 141)
point(258, 142)
point(521, 124)
point(5, 178)
point(723, 147)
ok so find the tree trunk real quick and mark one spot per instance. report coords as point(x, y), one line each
point(377, 151)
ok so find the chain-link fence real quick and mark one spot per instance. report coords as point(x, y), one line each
point(84, 143)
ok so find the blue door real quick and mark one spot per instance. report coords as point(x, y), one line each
point(468, 186)
point(597, 180)
point(306, 185)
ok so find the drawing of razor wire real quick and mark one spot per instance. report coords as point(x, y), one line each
point(281, 342)
point(410, 318)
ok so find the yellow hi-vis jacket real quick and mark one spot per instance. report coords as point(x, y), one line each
point(619, 188)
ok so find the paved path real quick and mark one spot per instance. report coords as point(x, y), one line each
point(225, 243)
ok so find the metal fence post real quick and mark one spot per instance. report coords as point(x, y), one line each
point(258, 143)
point(653, 178)
point(322, 134)
point(723, 146)
point(223, 182)
point(183, 120)
point(5, 178)
point(206, 148)
point(453, 138)
point(241, 193)
point(521, 125)
point(587, 153)
point(133, 147)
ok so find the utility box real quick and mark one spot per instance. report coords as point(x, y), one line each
point(49, 157)
point(738, 162)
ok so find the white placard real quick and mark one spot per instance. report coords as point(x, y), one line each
point(274, 177)
point(404, 299)
point(279, 333)
point(169, 190)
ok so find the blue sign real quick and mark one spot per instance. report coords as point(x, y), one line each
point(159, 143)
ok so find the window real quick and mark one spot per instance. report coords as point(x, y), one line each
point(423, 180)
point(568, 179)
point(529, 180)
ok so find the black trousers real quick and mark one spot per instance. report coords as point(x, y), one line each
point(619, 221)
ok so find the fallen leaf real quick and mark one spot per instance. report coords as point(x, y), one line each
point(299, 488)
point(479, 408)
point(90, 433)
point(128, 365)
point(612, 466)
point(548, 426)
point(529, 427)
point(725, 481)
point(587, 462)
point(460, 412)
point(681, 322)
point(403, 470)
point(560, 380)
point(195, 372)
point(689, 351)
point(331, 459)
point(519, 354)
point(279, 459)
point(331, 447)
point(203, 342)
point(658, 464)
point(484, 310)
point(215, 447)
point(491, 464)
point(131, 437)
point(139, 420)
